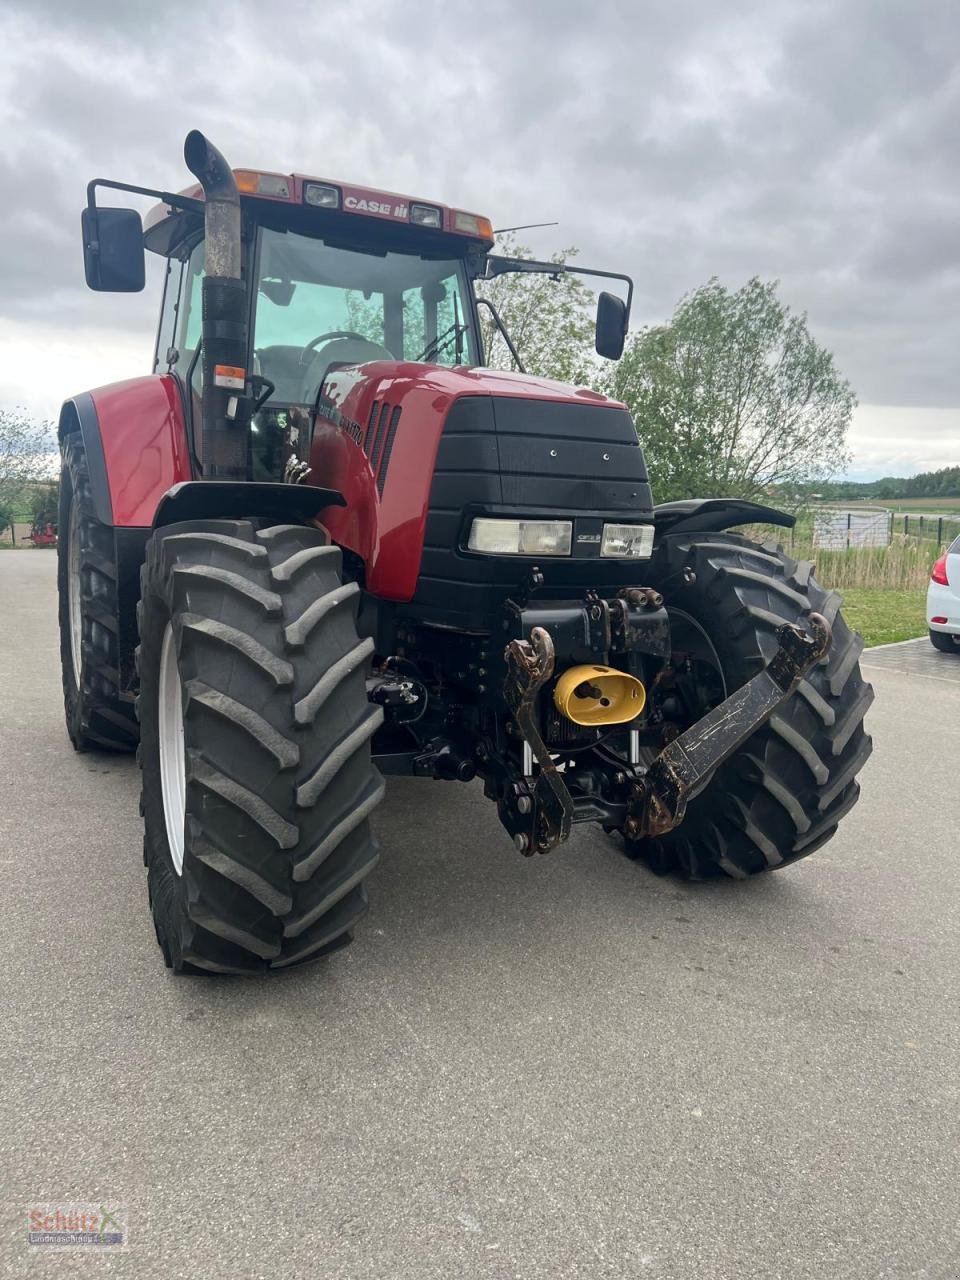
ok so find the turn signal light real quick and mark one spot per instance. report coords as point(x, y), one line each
point(592, 695)
point(471, 224)
point(938, 573)
point(252, 183)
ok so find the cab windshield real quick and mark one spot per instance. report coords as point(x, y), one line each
point(321, 306)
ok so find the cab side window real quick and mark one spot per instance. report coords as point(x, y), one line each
point(190, 316)
point(167, 332)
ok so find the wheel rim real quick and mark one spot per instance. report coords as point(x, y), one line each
point(688, 635)
point(173, 774)
point(73, 591)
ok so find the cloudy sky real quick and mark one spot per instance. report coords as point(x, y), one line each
point(815, 143)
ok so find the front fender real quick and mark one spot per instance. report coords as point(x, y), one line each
point(711, 515)
point(242, 499)
point(79, 416)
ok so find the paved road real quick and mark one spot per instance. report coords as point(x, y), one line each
point(556, 1068)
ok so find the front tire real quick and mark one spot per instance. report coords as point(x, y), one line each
point(783, 793)
point(258, 783)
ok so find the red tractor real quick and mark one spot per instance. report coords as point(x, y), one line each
point(43, 530)
point(321, 543)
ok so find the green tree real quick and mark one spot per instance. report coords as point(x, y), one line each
point(7, 516)
point(27, 457)
point(548, 317)
point(734, 396)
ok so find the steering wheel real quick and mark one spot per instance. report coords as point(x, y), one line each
point(329, 337)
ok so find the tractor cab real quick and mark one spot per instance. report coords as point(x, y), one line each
point(333, 276)
point(339, 276)
point(336, 277)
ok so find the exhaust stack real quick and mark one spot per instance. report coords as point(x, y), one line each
point(224, 440)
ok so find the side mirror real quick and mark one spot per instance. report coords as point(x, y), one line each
point(113, 250)
point(611, 326)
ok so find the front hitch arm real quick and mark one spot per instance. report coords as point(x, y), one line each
point(542, 820)
point(659, 798)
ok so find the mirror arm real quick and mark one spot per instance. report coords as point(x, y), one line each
point(187, 203)
point(497, 266)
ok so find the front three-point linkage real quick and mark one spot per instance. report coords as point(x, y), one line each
point(659, 799)
point(539, 816)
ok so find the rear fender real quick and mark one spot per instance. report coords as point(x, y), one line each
point(712, 515)
point(135, 438)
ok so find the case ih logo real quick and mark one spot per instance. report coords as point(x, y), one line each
point(383, 207)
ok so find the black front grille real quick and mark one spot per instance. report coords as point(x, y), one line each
point(515, 457)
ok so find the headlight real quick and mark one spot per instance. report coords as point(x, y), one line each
point(321, 196)
point(521, 537)
point(627, 541)
point(425, 215)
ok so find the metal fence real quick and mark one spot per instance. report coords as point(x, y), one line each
point(836, 529)
point(932, 527)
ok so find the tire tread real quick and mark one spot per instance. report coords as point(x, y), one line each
point(784, 792)
point(279, 843)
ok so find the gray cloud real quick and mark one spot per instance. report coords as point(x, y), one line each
point(811, 142)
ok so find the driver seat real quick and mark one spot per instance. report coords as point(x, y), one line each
point(333, 355)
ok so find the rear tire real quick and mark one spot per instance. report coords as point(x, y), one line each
point(782, 794)
point(98, 716)
point(944, 642)
point(253, 632)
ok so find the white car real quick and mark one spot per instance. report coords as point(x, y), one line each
point(943, 601)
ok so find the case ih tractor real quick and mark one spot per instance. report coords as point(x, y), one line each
point(322, 543)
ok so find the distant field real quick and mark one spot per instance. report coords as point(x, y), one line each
point(935, 506)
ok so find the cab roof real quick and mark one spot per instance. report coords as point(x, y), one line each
point(321, 201)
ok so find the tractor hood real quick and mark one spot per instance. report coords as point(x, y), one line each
point(457, 381)
point(416, 449)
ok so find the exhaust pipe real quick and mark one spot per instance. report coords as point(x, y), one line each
point(224, 437)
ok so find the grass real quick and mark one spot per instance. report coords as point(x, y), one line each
point(903, 566)
point(884, 588)
point(883, 616)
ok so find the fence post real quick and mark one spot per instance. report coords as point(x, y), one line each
point(921, 526)
point(849, 518)
point(939, 533)
point(906, 525)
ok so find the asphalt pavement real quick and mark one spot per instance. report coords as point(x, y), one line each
point(555, 1067)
